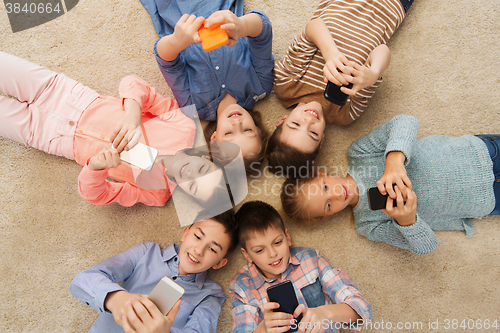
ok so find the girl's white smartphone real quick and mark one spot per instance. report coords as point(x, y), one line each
point(140, 155)
point(165, 294)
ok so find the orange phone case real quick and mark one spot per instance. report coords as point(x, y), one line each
point(213, 37)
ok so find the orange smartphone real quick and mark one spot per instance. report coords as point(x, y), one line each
point(213, 37)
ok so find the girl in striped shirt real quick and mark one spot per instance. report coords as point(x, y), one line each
point(343, 43)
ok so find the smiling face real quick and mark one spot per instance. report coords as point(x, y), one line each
point(270, 251)
point(326, 195)
point(197, 176)
point(304, 127)
point(236, 125)
point(204, 246)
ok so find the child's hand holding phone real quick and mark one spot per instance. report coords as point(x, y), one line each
point(313, 319)
point(117, 302)
point(144, 316)
point(337, 69)
point(405, 212)
point(394, 173)
point(185, 34)
point(249, 25)
point(227, 21)
point(186, 31)
point(106, 159)
point(274, 321)
point(315, 316)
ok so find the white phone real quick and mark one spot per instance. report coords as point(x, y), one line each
point(140, 155)
point(165, 294)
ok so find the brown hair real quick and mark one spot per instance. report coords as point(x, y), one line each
point(254, 161)
point(293, 199)
point(282, 157)
point(256, 216)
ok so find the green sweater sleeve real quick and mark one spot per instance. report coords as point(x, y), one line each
point(397, 134)
point(418, 237)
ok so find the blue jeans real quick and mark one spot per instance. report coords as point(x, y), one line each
point(406, 4)
point(492, 142)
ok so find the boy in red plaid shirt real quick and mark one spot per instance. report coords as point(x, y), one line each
point(266, 244)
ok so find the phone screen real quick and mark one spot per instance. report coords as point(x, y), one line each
point(284, 294)
point(377, 200)
point(140, 155)
point(334, 95)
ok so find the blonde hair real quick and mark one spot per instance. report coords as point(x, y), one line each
point(294, 202)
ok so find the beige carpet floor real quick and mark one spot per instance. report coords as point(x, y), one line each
point(444, 70)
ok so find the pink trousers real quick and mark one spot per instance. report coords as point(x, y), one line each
point(46, 106)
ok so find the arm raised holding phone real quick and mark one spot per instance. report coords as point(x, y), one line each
point(137, 313)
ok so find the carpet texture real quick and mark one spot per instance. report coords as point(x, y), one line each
point(444, 70)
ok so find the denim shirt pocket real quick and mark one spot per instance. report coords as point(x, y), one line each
point(313, 294)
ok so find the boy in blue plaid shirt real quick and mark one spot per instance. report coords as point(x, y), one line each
point(266, 244)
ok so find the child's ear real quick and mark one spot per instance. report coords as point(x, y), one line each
point(282, 120)
point(212, 138)
point(322, 139)
point(184, 233)
point(220, 264)
point(288, 237)
point(245, 254)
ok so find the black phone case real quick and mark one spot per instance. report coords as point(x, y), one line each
point(284, 294)
point(334, 95)
point(377, 200)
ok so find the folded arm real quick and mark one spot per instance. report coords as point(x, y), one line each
point(418, 237)
point(93, 187)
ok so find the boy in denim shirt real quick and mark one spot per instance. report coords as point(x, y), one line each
point(204, 245)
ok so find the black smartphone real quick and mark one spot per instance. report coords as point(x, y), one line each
point(377, 200)
point(334, 95)
point(284, 294)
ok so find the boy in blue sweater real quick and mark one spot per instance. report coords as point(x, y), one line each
point(453, 179)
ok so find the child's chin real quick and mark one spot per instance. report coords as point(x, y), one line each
point(191, 270)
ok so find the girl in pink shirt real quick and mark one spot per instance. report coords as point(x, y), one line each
point(60, 116)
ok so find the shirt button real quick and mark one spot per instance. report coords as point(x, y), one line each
point(223, 86)
point(175, 259)
point(174, 278)
point(71, 123)
point(216, 68)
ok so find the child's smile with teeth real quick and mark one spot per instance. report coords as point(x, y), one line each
point(277, 262)
point(234, 114)
point(193, 258)
point(312, 113)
